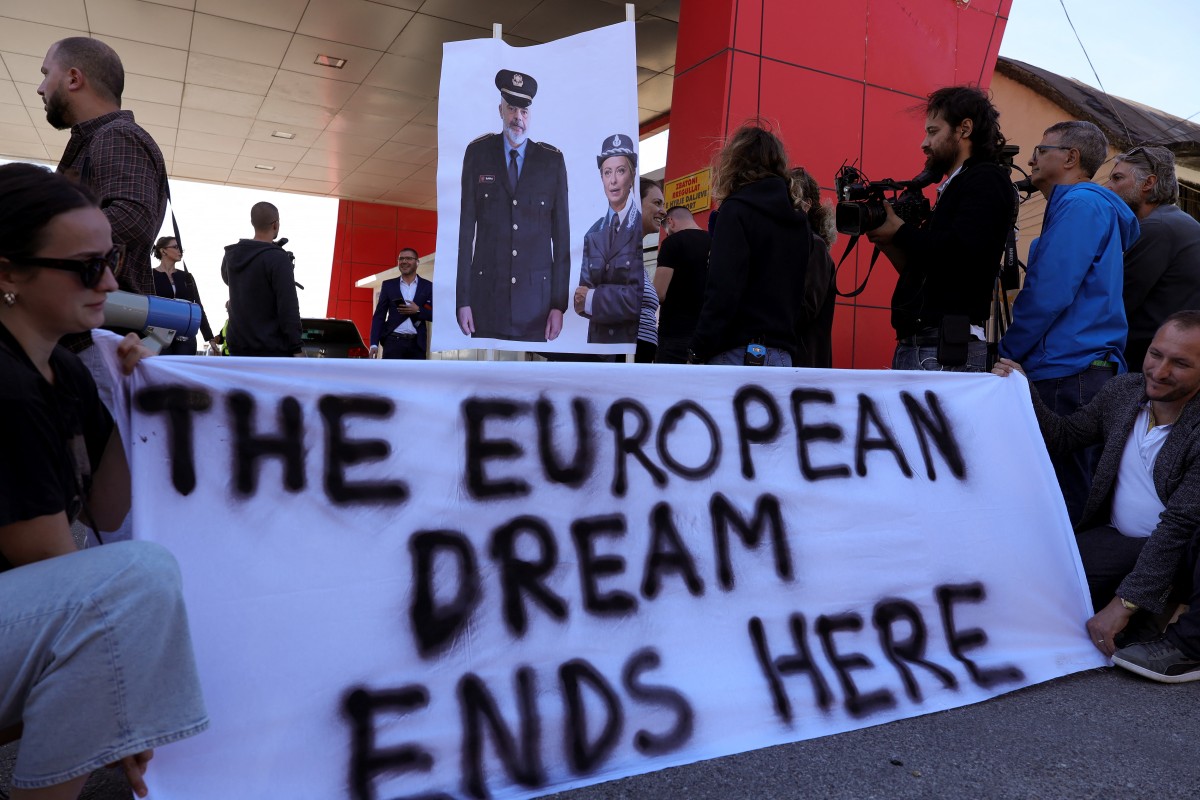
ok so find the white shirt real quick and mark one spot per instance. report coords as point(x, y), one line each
point(408, 291)
point(1136, 507)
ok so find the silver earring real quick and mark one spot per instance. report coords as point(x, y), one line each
point(10, 298)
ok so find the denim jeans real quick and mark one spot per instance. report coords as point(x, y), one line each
point(737, 357)
point(96, 660)
point(924, 357)
point(1063, 396)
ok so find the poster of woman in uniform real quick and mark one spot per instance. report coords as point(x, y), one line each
point(517, 193)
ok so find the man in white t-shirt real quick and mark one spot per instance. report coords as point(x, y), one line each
point(1138, 534)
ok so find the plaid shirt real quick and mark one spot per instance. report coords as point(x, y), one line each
point(124, 168)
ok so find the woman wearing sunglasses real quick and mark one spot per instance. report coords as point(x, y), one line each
point(178, 285)
point(96, 663)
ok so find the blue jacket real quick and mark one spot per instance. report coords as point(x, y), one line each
point(1070, 312)
point(387, 318)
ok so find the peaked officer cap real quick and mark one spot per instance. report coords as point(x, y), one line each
point(516, 88)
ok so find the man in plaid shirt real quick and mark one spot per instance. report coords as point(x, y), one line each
point(108, 152)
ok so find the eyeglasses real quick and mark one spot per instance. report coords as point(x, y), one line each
point(174, 247)
point(1144, 153)
point(1040, 150)
point(90, 270)
point(406, 258)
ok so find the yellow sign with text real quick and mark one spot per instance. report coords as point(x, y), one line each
point(692, 191)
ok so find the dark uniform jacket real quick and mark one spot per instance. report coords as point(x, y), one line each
point(513, 244)
point(387, 316)
point(953, 261)
point(1108, 420)
point(613, 269)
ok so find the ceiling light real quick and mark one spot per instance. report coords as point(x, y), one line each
point(266, 167)
point(283, 135)
point(330, 61)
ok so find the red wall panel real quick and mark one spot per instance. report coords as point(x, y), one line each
point(840, 81)
point(369, 235)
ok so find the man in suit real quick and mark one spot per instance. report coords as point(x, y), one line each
point(514, 234)
point(1139, 537)
point(405, 307)
point(612, 278)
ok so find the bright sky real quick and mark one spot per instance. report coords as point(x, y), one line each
point(1140, 50)
point(1143, 50)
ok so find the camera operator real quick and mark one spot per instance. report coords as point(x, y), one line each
point(264, 318)
point(948, 267)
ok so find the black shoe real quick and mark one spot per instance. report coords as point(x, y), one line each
point(1158, 660)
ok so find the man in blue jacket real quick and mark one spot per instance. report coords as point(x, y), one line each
point(1069, 325)
point(405, 306)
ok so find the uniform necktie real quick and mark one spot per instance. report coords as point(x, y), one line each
point(512, 168)
point(612, 230)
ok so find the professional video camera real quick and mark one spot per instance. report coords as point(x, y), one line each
point(860, 201)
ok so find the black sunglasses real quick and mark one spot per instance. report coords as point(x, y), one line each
point(89, 270)
point(1146, 154)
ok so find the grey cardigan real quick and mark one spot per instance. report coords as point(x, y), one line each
point(1109, 419)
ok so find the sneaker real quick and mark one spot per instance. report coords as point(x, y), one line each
point(1158, 660)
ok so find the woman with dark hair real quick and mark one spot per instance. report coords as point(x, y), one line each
point(814, 330)
point(178, 285)
point(612, 278)
point(653, 214)
point(758, 259)
point(96, 661)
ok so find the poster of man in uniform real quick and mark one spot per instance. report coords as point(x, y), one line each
point(534, 253)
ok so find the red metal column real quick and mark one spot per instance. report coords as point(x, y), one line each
point(839, 81)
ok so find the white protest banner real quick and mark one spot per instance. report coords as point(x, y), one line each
point(498, 580)
point(510, 258)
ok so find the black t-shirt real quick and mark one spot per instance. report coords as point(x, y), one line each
point(686, 253)
point(54, 435)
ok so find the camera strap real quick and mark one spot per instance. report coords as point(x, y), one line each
point(871, 268)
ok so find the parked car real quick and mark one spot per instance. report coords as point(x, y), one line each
point(331, 338)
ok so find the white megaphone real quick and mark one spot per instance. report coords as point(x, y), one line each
point(160, 319)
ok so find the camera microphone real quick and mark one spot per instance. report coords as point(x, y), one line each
point(1024, 186)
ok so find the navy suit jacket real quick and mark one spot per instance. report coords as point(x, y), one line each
point(387, 316)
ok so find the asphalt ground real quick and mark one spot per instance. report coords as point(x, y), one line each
point(1103, 733)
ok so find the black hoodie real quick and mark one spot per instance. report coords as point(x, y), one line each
point(264, 314)
point(756, 271)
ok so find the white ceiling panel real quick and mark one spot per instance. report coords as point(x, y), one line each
point(68, 13)
point(207, 98)
point(213, 80)
point(289, 112)
point(392, 169)
point(199, 172)
point(205, 157)
point(282, 14)
point(153, 113)
point(372, 125)
point(480, 13)
point(156, 90)
point(406, 74)
point(217, 143)
point(308, 89)
point(302, 54)
point(263, 130)
point(226, 73)
point(141, 58)
point(423, 37)
point(32, 38)
point(14, 115)
point(249, 164)
point(193, 119)
point(407, 153)
point(276, 151)
point(241, 41)
point(357, 22)
point(257, 179)
point(139, 21)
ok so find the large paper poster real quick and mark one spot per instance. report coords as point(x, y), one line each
point(539, 214)
point(499, 580)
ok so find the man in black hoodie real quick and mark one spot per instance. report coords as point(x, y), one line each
point(264, 316)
